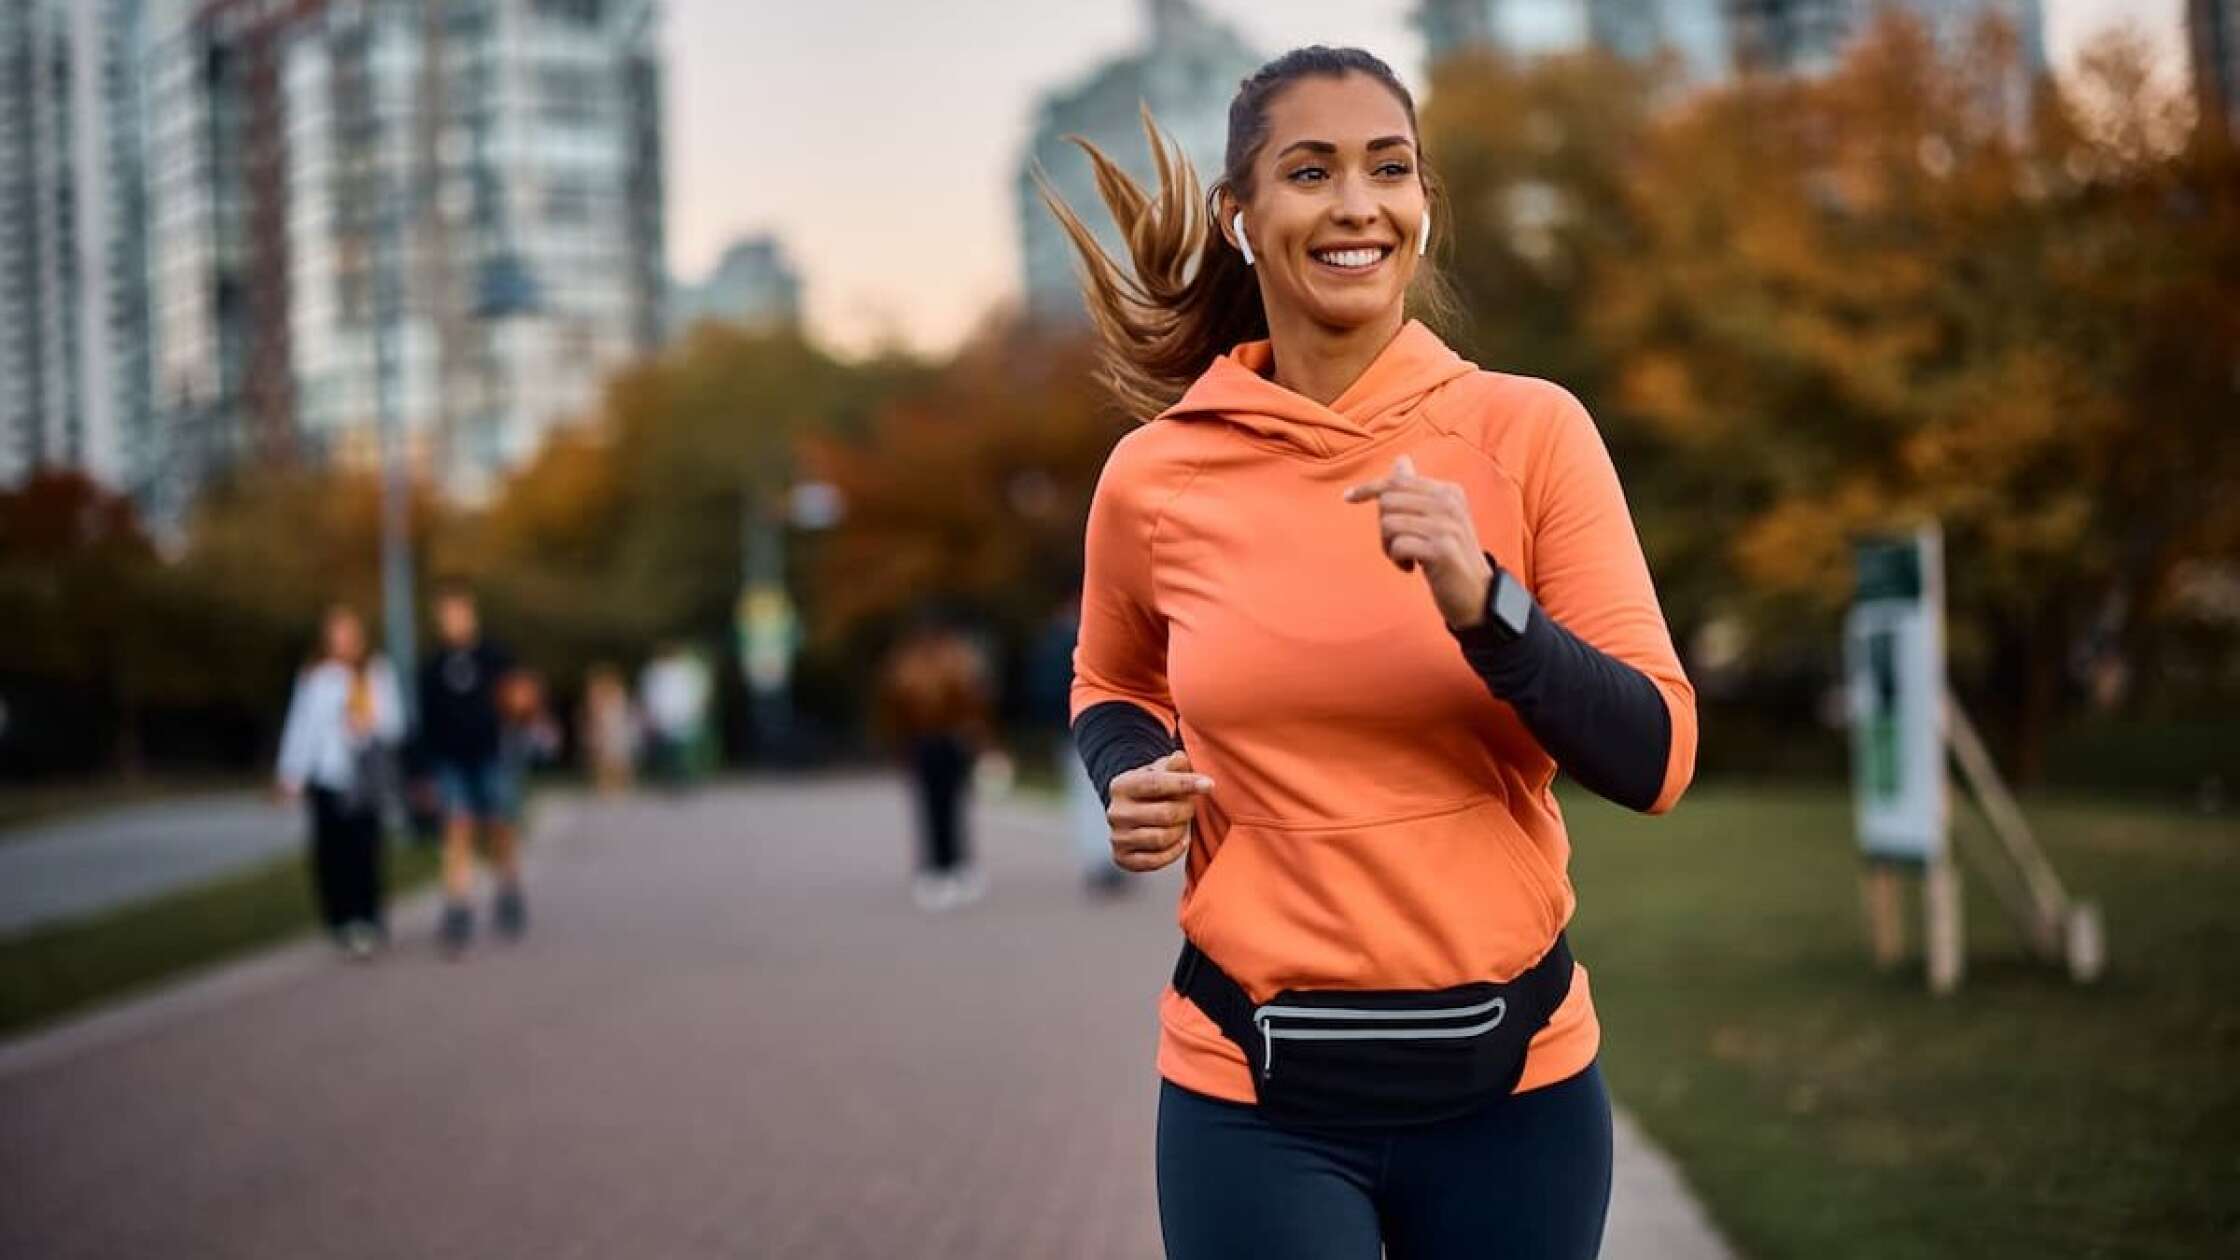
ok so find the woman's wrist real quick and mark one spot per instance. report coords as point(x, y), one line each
point(1481, 589)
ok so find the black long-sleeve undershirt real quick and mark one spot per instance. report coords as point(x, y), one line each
point(1603, 721)
point(1115, 737)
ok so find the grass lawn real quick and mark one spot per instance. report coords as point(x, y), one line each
point(52, 971)
point(1826, 1111)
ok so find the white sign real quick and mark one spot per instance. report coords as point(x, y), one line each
point(1894, 667)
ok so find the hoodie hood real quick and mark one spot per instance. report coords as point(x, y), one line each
point(1386, 396)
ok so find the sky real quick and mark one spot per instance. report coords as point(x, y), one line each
point(878, 139)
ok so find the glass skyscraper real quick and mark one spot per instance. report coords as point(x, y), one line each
point(1694, 30)
point(451, 211)
point(1712, 37)
point(73, 280)
point(1186, 73)
point(2213, 37)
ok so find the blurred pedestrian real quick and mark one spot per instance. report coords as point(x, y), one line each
point(610, 731)
point(527, 735)
point(479, 788)
point(1049, 686)
point(337, 753)
point(675, 688)
point(1351, 602)
point(933, 707)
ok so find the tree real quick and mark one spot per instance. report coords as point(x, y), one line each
point(627, 529)
point(973, 488)
point(74, 567)
point(1907, 291)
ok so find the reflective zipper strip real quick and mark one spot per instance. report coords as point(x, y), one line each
point(1335, 1012)
point(1379, 1034)
point(1269, 1033)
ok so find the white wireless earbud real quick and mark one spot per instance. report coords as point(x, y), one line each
point(1423, 237)
point(1244, 246)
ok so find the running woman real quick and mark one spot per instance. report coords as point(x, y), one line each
point(1351, 604)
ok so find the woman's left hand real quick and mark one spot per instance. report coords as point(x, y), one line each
point(1426, 527)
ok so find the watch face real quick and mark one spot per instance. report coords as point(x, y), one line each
point(1512, 604)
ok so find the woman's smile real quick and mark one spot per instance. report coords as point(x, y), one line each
point(1350, 259)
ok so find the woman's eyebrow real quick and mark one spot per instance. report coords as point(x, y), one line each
point(1325, 147)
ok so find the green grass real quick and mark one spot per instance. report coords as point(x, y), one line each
point(1826, 1111)
point(53, 971)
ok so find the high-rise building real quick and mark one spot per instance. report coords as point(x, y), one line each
point(1694, 30)
point(1711, 37)
point(73, 280)
point(754, 285)
point(1801, 36)
point(1808, 36)
point(2213, 34)
point(1185, 73)
point(445, 213)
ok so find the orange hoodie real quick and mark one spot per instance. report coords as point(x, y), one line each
point(1379, 820)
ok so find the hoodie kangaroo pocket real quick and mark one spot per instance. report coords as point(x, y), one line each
point(1426, 902)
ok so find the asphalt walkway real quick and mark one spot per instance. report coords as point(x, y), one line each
point(729, 1033)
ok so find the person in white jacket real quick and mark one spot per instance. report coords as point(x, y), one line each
point(337, 753)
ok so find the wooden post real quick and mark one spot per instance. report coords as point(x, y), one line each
point(1942, 930)
point(2049, 902)
point(1883, 900)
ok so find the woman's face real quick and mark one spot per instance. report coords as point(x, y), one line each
point(346, 639)
point(1337, 203)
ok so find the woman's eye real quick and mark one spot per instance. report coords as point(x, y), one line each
point(1301, 176)
point(1394, 169)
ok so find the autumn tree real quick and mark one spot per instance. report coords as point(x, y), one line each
point(626, 528)
point(1920, 286)
point(1923, 288)
point(74, 569)
point(972, 488)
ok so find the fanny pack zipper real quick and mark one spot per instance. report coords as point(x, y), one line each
point(1264, 1017)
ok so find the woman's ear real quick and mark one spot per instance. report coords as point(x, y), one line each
point(1229, 218)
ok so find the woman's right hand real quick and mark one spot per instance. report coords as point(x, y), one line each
point(1151, 812)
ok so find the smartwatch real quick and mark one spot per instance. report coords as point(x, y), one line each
point(1508, 608)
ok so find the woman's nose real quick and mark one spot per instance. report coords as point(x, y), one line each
point(1356, 205)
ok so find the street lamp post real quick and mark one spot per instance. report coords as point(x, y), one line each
point(768, 624)
point(396, 480)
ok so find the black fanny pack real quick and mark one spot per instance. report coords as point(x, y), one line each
point(1360, 1058)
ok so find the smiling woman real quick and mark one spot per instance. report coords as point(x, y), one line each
point(1347, 720)
point(1192, 293)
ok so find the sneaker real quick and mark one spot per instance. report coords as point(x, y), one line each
point(359, 940)
point(512, 913)
point(934, 893)
point(967, 886)
point(456, 929)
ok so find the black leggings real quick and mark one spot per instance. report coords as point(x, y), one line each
point(941, 766)
point(345, 860)
point(1526, 1177)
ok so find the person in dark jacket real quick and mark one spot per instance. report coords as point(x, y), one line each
point(479, 789)
point(933, 707)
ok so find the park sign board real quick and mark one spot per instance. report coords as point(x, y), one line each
point(1894, 674)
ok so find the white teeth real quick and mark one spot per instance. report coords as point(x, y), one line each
point(1350, 257)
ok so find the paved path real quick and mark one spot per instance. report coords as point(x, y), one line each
point(729, 1034)
point(86, 864)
